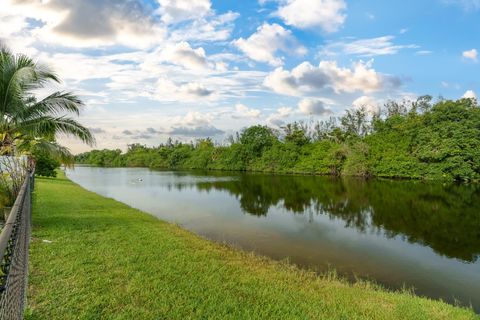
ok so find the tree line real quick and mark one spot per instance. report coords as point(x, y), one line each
point(418, 139)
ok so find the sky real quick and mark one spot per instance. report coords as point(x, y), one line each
point(187, 69)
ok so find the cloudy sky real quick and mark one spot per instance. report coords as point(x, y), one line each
point(149, 69)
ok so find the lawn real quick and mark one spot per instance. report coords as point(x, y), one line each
point(96, 258)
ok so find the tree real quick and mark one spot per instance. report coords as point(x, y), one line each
point(27, 123)
point(296, 134)
point(256, 139)
point(45, 164)
point(355, 122)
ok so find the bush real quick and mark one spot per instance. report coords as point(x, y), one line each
point(45, 165)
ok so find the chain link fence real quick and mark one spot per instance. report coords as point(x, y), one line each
point(14, 244)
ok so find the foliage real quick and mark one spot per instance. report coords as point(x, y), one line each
point(418, 139)
point(28, 124)
point(12, 175)
point(45, 164)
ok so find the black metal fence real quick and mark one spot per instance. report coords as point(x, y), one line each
point(14, 244)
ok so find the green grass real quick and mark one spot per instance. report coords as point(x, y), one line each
point(109, 261)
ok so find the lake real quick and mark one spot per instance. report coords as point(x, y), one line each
point(422, 235)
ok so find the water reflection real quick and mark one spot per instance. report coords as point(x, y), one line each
point(445, 217)
point(412, 233)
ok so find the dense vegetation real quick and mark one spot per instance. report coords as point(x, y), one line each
point(417, 139)
point(96, 258)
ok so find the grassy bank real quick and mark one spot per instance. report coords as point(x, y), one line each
point(105, 260)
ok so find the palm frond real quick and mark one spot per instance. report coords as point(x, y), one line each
point(52, 148)
point(55, 104)
point(22, 117)
point(50, 126)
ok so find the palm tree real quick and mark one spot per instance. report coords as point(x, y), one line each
point(26, 122)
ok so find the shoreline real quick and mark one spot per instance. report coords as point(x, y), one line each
point(366, 178)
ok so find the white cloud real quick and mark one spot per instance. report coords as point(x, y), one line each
point(368, 47)
point(471, 54)
point(207, 29)
point(328, 75)
point(470, 94)
point(11, 24)
point(167, 90)
point(316, 107)
point(196, 132)
point(193, 119)
point(184, 55)
point(88, 23)
point(80, 67)
point(370, 104)
point(173, 11)
point(278, 117)
point(242, 111)
point(267, 41)
point(328, 15)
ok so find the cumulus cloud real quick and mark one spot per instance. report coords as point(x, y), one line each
point(267, 41)
point(184, 55)
point(242, 111)
point(152, 131)
point(144, 134)
point(89, 22)
point(278, 117)
point(173, 11)
point(127, 132)
point(193, 119)
point(316, 107)
point(470, 94)
point(195, 90)
point(368, 47)
point(471, 55)
point(328, 75)
point(196, 132)
point(328, 15)
point(167, 90)
point(370, 104)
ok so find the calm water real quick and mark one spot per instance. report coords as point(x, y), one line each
point(423, 235)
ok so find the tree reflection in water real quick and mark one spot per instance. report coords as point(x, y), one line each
point(445, 217)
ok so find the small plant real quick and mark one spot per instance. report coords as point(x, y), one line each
point(13, 171)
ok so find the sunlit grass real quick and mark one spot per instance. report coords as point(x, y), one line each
point(109, 261)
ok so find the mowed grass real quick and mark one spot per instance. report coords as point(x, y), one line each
point(109, 261)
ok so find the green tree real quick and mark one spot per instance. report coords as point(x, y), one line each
point(296, 134)
point(25, 121)
point(256, 139)
point(45, 164)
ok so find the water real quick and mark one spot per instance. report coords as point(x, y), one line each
point(398, 233)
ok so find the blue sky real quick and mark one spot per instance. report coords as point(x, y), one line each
point(188, 69)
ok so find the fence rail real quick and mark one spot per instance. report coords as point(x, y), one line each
point(14, 244)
